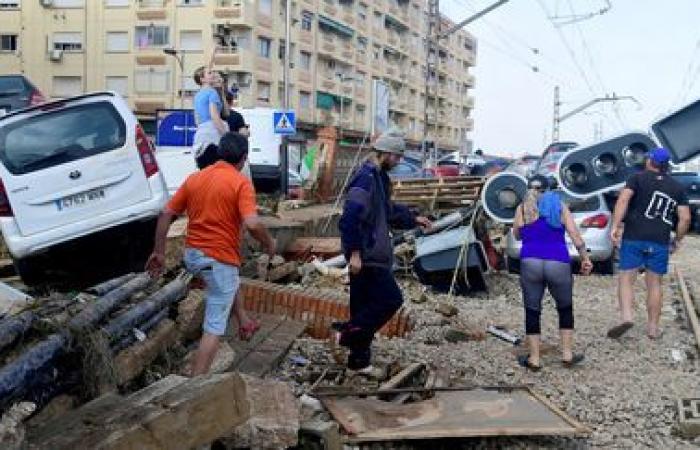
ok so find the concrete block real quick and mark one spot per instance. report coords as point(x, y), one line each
point(689, 417)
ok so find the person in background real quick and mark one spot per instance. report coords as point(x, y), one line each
point(647, 204)
point(208, 105)
point(541, 221)
point(218, 201)
point(365, 224)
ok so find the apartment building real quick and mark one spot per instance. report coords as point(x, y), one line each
point(338, 48)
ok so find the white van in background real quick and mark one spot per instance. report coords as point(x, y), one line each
point(177, 162)
point(80, 185)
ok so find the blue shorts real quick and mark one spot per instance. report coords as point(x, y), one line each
point(222, 282)
point(650, 255)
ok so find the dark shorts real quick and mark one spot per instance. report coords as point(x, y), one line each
point(650, 255)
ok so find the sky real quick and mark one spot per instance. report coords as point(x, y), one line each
point(646, 49)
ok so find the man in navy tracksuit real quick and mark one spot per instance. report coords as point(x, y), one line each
point(364, 226)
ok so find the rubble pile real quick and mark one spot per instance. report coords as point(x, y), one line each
point(626, 391)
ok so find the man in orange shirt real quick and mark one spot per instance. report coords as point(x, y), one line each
point(217, 201)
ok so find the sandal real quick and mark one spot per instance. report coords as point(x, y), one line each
point(524, 361)
point(247, 331)
point(576, 358)
point(617, 331)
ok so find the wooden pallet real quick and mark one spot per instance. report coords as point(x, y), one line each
point(438, 194)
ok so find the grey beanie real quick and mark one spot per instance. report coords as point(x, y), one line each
point(391, 141)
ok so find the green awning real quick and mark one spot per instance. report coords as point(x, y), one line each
point(337, 26)
point(395, 22)
point(326, 100)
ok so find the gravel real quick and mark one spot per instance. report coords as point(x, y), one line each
point(626, 390)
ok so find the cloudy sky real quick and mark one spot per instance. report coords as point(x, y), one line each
point(646, 49)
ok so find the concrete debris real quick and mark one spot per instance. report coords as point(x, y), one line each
point(223, 360)
point(12, 431)
point(131, 362)
point(447, 309)
point(190, 314)
point(274, 417)
point(317, 433)
point(285, 271)
point(171, 414)
point(689, 417)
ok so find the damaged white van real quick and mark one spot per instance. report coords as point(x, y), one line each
point(80, 187)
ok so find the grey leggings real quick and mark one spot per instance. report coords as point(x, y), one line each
point(535, 275)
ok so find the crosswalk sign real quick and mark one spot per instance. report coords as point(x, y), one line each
point(284, 122)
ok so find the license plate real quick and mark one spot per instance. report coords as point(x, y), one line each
point(73, 201)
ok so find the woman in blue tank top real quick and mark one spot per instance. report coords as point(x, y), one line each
point(540, 222)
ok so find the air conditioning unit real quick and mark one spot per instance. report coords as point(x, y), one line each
point(46, 3)
point(56, 55)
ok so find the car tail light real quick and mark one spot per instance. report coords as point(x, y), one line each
point(148, 158)
point(597, 221)
point(36, 98)
point(5, 207)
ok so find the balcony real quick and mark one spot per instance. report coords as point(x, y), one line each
point(306, 37)
point(469, 124)
point(330, 9)
point(239, 60)
point(151, 10)
point(468, 101)
point(304, 77)
point(263, 64)
point(361, 58)
point(328, 82)
point(327, 45)
point(235, 13)
point(151, 58)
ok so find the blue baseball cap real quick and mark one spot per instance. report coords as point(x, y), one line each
point(660, 155)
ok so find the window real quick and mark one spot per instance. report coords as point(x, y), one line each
point(377, 53)
point(305, 60)
point(362, 12)
point(360, 113)
point(9, 4)
point(306, 20)
point(67, 86)
point(119, 85)
point(116, 3)
point(280, 50)
point(61, 136)
point(304, 100)
point(191, 2)
point(68, 3)
point(378, 20)
point(362, 44)
point(117, 41)
point(191, 40)
point(265, 7)
point(264, 46)
point(69, 42)
point(8, 42)
point(152, 36)
point(263, 92)
point(151, 81)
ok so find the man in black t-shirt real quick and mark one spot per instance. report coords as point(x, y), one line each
point(649, 203)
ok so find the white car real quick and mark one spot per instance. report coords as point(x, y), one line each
point(593, 218)
point(79, 176)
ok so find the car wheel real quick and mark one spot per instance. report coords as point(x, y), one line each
point(30, 270)
point(606, 267)
point(513, 265)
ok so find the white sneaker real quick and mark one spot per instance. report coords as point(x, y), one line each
point(374, 373)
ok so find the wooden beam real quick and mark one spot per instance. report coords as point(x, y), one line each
point(689, 308)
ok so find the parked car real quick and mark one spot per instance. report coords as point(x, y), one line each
point(593, 218)
point(17, 92)
point(525, 165)
point(407, 169)
point(474, 164)
point(547, 165)
point(80, 185)
point(691, 181)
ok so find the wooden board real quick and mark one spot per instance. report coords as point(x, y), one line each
point(261, 354)
point(456, 414)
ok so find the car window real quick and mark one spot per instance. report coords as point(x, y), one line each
point(580, 204)
point(402, 169)
point(9, 85)
point(46, 140)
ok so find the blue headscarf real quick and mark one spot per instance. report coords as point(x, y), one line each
point(549, 207)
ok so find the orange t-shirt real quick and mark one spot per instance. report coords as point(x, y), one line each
point(216, 200)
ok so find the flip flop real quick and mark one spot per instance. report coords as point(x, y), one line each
point(618, 330)
point(247, 331)
point(576, 358)
point(524, 361)
point(658, 336)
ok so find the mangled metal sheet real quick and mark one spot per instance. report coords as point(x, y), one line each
point(477, 412)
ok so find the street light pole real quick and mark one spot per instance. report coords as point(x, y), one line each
point(284, 180)
point(179, 56)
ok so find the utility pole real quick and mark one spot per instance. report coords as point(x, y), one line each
point(558, 119)
point(284, 175)
point(555, 124)
point(432, 60)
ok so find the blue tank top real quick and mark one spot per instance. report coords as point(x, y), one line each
point(542, 241)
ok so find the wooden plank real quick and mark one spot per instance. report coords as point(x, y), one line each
point(689, 308)
point(402, 377)
point(264, 354)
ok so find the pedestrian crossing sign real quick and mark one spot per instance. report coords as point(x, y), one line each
point(284, 122)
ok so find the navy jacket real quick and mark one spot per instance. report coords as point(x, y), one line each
point(368, 215)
